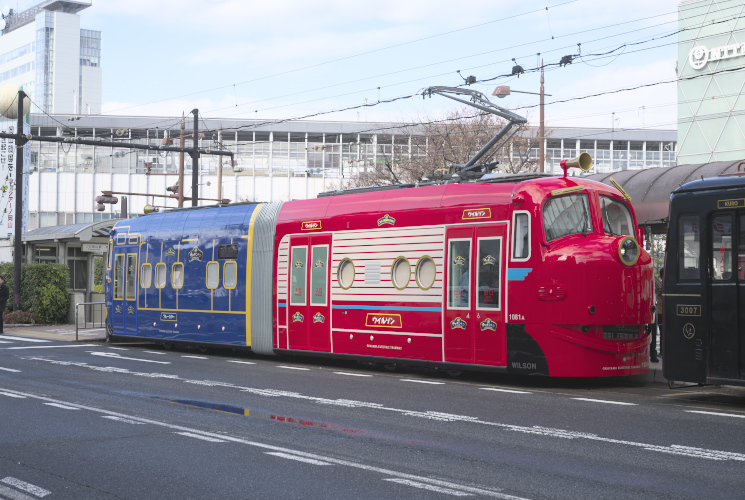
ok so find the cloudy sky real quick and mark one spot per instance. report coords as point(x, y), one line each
point(291, 58)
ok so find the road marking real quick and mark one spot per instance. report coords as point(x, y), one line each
point(202, 437)
point(155, 352)
point(511, 391)
point(353, 374)
point(421, 381)
point(295, 457)
point(715, 413)
point(12, 395)
point(27, 487)
point(195, 357)
point(6, 341)
point(242, 362)
point(429, 487)
point(605, 401)
point(13, 494)
point(119, 348)
point(125, 420)
point(47, 346)
point(292, 367)
point(24, 339)
point(64, 407)
point(10, 370)
point(119, 356)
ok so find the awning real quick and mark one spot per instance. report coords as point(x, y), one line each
point(79, 232)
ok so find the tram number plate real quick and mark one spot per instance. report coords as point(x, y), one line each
point(683, 310)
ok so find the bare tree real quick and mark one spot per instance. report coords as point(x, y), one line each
point(440, 147)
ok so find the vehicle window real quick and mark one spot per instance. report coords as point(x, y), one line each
point(160, 275)
point(131, 276)
point(721, 248)
point(689, 248)
point(319, 275)
point(490, 256)
point(299, 275)
point(177, 275)
point(230, 274)
point(213, 274)
point(119, 277)
point(617, 220)
point(146, 275)
point(567, 215)
point(459, 279)
point(521, 243)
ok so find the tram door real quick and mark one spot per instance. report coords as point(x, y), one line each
point(309, 321)
point(727, 285)
point(474, 314)
point(124, 317)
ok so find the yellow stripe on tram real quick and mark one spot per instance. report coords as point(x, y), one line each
point(249, 274)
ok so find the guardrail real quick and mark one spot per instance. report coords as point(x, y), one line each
point(94, 317)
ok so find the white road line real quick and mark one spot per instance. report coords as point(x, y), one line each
point(203, 438)
point(241, 362)
point(292, 367)
point(715, 413)
point(195, 357)
point(14, 494)
point(6, 341)
point(353, 374)
point(125, 420)
point(429, 487)
point(24, 339)
point(511, 391)
point(27, 487)
point(604, 401)
point(11, 395)
point(119, 348)
point(47, 346)
point(64, 407)
point(155, 352)
point(119, 356)
point(10, 370)
point(298, 458)
point(421, 381)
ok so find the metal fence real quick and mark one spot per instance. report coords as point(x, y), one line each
point(92, 323)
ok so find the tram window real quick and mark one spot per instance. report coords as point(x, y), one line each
point(459, 279)
point(230, 274)
point(213, 274)
point(741, 250)
point(721, 251)
point(426, 272)
point(299, 275)
point(617, 220)
point(521, 240)
point(177, 275)
point(110, 259)
point(146, 275)
point(160, 275)
point(227, 251)
point(131, 276)
point(119, 277)
point(401, 273)
point(490, 255)
point(345, 274)
point(689, 248)
point(319, 275)
point(565, 215)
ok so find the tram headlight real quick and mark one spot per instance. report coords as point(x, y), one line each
point(628, 250)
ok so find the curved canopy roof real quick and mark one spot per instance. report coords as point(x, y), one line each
point(80, 232)
point(650, 189)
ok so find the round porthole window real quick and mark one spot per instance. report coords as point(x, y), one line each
point(426, 272)
point(401, 273)
point(345, 274)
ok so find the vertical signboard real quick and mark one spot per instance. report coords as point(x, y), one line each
point(8, 192)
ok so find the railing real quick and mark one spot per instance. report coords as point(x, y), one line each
point(93, 319)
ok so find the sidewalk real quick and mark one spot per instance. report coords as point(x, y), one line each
point(55, 332)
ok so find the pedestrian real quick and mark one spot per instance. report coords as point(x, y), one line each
point(4, 294)
point(656, 327)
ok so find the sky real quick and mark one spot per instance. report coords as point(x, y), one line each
point(287, 59)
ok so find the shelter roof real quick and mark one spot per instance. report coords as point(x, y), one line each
point(80, 232)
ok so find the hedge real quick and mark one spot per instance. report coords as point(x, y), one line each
point(44, 292)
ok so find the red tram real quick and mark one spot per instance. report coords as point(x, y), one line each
point(531, 274)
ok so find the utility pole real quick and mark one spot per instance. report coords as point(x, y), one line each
point(219, 166)
point(195, 161)
point(542, 128)
point(182, 142)
point(21, 140)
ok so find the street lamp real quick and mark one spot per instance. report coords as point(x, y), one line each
point(504, 90)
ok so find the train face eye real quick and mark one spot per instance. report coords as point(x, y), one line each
point(629, 251)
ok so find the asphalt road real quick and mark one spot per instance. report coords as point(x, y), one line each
point(104, 421)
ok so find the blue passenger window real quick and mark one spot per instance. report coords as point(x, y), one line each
point(146, 275)
point(160, 275)
point(177, 275)
point(230, 275)
point(213, 274)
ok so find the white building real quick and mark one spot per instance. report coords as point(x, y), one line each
point(58, 64)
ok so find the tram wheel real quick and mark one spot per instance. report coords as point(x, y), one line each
point(391, 367)
point(167, 346)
